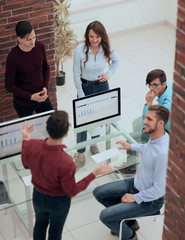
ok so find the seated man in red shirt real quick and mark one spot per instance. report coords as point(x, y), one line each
point(27, 73)
point(53, 176)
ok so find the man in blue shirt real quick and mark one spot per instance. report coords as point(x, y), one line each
point(144, 194)
point(160, 88)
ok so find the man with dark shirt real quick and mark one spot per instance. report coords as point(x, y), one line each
point(27, 73)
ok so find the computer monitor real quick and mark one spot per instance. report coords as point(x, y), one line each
point(97, 109)
point(11, 136)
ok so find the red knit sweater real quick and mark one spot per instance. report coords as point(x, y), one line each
point(52, 168)
point(26, 73)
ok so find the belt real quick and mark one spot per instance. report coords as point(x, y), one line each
point(90, 83)
point(41, 192)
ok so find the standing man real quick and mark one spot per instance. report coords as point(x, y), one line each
point(27, 73)
point(53, 176)
point(144, 194)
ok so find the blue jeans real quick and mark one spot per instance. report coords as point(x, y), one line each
point(52, 211)
point(88, 90)
point(110, 196)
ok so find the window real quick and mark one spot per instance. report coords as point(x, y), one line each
point(84, 4)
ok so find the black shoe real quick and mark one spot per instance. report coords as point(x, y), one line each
point(113, 233)
point(132, 224)
point(133, 237)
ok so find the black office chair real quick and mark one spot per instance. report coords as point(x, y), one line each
point(6, 204)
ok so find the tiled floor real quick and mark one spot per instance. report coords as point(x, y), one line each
point(139, 52)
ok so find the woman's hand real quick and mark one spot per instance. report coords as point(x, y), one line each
point(26, 131)
point(103, 77)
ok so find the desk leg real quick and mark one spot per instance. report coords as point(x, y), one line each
point(29, 209)
point(108, 142)
point(5, 176)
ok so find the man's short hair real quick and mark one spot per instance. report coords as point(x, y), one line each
point(157, 73)
point(161, 112)
point(57, 124)
point(23, 28)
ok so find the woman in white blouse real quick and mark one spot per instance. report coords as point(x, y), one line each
point(90, 60)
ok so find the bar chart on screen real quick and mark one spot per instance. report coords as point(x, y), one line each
point(97, 108)
point(85, 112)
point(11, 141)
point(11, 135)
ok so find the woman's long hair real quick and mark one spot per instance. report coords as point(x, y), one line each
point(99, 29)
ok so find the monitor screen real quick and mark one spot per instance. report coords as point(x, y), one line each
point(97, 108)
point(11, 136)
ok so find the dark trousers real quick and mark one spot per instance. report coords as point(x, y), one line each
point(23, 111)
point(52, 211)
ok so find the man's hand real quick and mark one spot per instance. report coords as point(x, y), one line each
point(149, 98)
point(103, 169)
point(127, 198)
point(40, 96)
point(44, 92)
point(125, 145)
point(26, 131)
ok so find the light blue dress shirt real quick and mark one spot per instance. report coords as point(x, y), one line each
point(93, 67)
point(164, 100)
point(150, 179)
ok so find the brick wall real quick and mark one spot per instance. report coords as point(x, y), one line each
point(40, 14)
point(174, 221)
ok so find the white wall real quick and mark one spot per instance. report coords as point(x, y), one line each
point(121, 15)
point(171, 6)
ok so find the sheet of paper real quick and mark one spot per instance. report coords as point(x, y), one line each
point(100, 157)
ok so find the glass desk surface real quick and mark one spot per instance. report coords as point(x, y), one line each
point(17, 185)
point(13, 174)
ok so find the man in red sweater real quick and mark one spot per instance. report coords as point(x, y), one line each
point(27, 73)
point(53, 176)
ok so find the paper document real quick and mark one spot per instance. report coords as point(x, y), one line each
point(100, 157)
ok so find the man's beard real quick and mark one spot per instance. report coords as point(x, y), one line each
point(151, 130)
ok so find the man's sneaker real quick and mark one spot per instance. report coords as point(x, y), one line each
point(132, 224)
point(133, 237)
point(128, 172)
point(79, 162)
point(113, 233)
point(94, 149)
